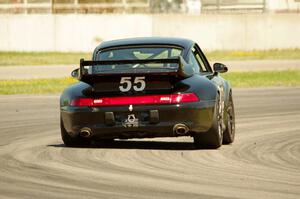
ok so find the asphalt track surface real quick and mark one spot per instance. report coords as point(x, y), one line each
point(263, 162)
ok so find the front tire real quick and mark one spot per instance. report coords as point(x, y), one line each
point(72, 141)
point(212, 139)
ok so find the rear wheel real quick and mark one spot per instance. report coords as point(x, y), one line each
point(213, 138)
point(229, 132)
point(73, 141)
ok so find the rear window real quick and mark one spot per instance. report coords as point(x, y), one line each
point(136, 53)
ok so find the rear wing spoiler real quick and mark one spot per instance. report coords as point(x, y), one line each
point(182, 70)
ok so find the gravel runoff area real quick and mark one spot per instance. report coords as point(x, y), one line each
point(57, 71)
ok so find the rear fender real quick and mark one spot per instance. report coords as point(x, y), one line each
point(200, 85)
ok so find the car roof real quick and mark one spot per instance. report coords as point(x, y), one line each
point(184, 43)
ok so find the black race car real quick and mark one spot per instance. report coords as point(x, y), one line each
point(148, 87)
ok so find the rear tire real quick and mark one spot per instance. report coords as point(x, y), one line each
point(73, 141)
point(229, 132)
point(212, 139)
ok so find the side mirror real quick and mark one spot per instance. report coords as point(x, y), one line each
point(220, 68)
point(75, 73)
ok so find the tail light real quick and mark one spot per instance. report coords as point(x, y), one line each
point(137, 100)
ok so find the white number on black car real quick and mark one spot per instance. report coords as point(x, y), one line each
point(139, 84)
point(125, 84)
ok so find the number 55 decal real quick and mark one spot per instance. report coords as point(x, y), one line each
point(139, 84)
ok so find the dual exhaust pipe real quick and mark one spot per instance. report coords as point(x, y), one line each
point(180, 129)
point(85, 132)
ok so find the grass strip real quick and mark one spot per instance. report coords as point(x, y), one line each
point(41, 58)
point(35, 86)
point(57, 58)
point(287, 78)
point(274, 54)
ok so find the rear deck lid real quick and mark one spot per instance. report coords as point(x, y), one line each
point(130, 80)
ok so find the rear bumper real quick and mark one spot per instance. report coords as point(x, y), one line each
point(110, 122)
